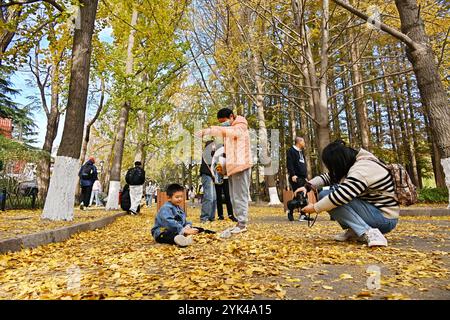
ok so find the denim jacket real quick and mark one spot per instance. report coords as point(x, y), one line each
point(169, 218)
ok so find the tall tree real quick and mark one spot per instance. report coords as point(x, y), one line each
point(61, 195)
point(420, 54)
point(114, 182)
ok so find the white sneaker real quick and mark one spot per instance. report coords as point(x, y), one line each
point(375, 238)
point(238, 229)
point(348, 235)
point(226, 233)
point(183, 241)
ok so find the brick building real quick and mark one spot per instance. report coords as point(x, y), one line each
point(6, 127)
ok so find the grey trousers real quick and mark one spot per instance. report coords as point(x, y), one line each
point(239, 184)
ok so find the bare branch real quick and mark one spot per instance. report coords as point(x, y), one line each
point(393, 32)
point(21, 3)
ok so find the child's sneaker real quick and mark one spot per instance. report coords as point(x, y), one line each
point(375, 238)
point(183, 241)
point(226, 233)
point(238, 229)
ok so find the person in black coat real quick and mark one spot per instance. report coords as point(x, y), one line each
point(296, 166)
point(88, 175)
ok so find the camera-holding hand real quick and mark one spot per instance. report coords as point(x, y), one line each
point(309, 208)
point(300, 201)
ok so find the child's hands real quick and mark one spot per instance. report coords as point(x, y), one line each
point(190, 231)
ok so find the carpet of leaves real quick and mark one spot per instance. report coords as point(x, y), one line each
point(122, 261)
point(20, 222)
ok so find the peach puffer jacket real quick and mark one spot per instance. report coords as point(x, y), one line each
point(237, 144)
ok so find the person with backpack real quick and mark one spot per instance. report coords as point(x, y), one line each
point(364, 197)
point(135, 178)
point(87, 175)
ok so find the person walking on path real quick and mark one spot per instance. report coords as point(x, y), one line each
point(88, 175)
point(135, 178)
point(236, 137)
point(96, 190)
point(149, 193)
point(209, 193)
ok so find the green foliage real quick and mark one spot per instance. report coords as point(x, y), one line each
point(433, 195)
point(12, 150)
point(24, 124)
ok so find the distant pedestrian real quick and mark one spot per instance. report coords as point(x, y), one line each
point(135, 178)
point(88, 175)
point(96, 190)
point(150, 193)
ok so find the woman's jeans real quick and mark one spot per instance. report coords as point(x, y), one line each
point(360, 216)
point(209, 199)
point(148, 200)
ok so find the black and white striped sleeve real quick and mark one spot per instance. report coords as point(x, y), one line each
point(321, 180)
point(347, 191)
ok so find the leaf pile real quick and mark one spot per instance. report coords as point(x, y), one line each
point(122, 261)
point(20, 222)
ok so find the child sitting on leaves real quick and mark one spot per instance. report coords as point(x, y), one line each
point(170, 222)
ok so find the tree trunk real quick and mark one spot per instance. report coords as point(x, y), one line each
point(50, 135)
point(390, 114)
point(59, 203)
point(114, 183)
point(414, 133)
point(349, 116)
point(434, 96)
point(358, 92)
point(317, 85)
point(7, 34)
point(439, 177)
point(420, 53)
point(141, 137)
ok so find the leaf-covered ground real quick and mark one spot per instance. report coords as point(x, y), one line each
point(20, 222)
point(275, 259)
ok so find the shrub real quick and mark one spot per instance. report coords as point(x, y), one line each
point(433, 195)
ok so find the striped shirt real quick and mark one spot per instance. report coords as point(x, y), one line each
point(366, 180)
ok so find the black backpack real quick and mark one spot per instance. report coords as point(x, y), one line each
point(135, 176)
point(125, 200)
point(87, 172)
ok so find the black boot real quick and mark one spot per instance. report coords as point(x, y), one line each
point(232, 218)
point(221, 218)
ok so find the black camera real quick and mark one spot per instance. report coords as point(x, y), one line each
point(299, 202)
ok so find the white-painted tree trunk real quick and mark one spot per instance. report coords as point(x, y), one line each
point(446, 166)
point(273, 195)
point(61, 192)
point(113, 196)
